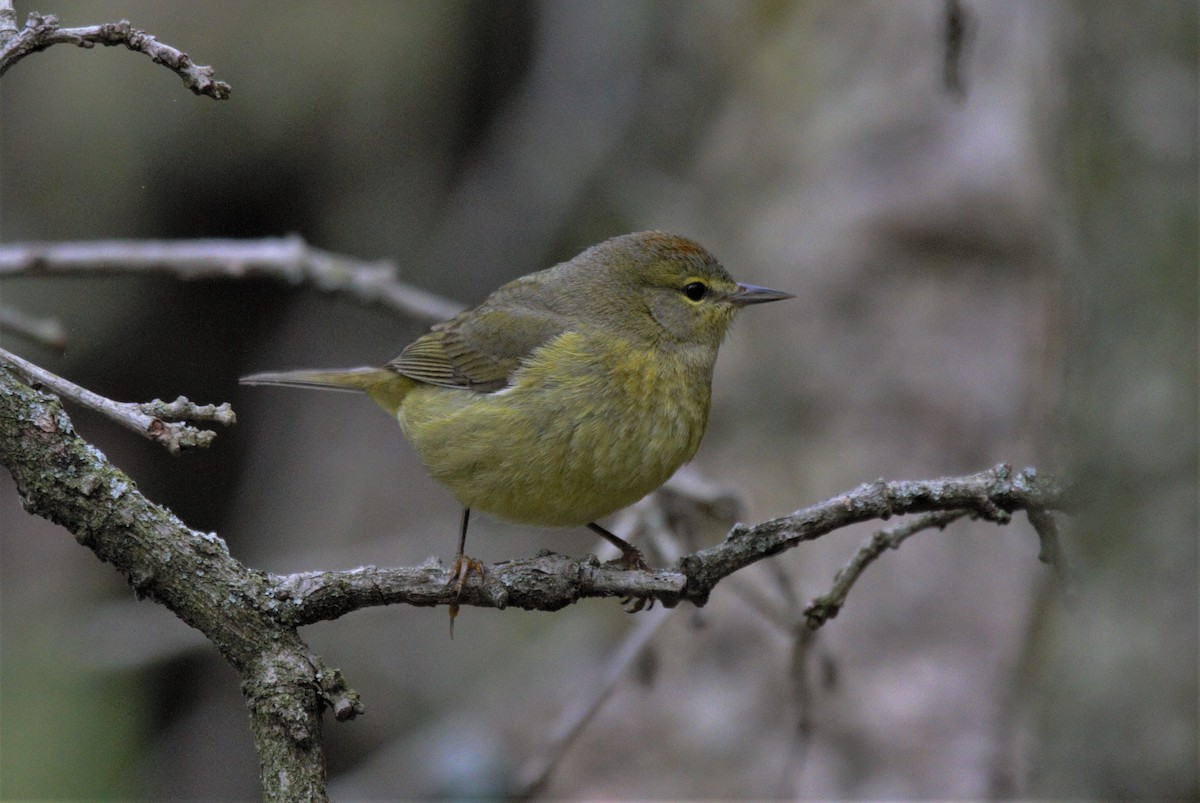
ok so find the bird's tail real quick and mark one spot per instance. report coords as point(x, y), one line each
point(386, 387)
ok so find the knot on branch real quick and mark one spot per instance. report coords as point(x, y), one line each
point(335, 694)
point(184, 410)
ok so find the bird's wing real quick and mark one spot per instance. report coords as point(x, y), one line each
point(479, 349)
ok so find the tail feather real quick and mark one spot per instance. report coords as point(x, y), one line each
point(355, 379)
point(386, 387)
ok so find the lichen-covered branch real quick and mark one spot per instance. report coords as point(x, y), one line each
point(68, 481)
point(41, 32)
point(163, 422)
point(290, 259)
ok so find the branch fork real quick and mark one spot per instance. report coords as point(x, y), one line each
point(163, 422)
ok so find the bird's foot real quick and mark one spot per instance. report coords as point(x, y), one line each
point(635, 604)
point(631, 560)
point(460, 570)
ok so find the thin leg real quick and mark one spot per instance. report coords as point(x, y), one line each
point(462, 534)
point(461, 568)
point(631, 558)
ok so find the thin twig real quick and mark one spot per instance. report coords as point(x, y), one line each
point(958, 28)
point(991, 495)
point(1047, 529)
point(827, 606)
point(46, 332)
point(753, 592)
point(288, 258)
point(8, 21)
point(41, 32)
point(1051, 551)
point(532, 777)
point(155, 420)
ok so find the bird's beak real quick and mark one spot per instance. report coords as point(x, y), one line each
point(752, 294)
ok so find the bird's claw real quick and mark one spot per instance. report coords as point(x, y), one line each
point(631, 560)
point(635, 604)
point(460, 570)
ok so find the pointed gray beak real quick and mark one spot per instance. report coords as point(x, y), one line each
point(753, 294)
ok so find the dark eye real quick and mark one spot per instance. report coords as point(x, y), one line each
point(695, 290)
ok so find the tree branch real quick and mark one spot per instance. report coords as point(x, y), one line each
point(46, 332)
point(251, 617)
point(288, 258)
point(548, 581)
point(154, 420)
point(827, 606)
point(68, 481)
point(594, 691)
point(41, 32)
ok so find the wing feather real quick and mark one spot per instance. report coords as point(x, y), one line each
point(481, 349)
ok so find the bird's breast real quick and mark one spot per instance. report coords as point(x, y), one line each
point(587, 426)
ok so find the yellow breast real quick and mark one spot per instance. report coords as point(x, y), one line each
point(588, 425)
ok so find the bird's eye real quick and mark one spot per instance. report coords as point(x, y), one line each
point(695, 291)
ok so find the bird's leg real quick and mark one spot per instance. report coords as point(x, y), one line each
point(631, 558)
point(461, 568)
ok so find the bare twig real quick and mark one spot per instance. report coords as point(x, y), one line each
point(957, 32)
point(753, 593)
point(155, 420)
point(41, 32)
point(550, 581)
point(990, 494)
point(532, 777)
point(1047, 530)
point(288, 258)
point(1051, 551)
point(43, 331)
point(827, 606)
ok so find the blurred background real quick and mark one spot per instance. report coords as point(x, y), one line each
point(1003, 272)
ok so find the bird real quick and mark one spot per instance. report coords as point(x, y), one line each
point(569, 393)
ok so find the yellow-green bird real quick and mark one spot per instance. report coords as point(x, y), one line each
point(569, 393)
